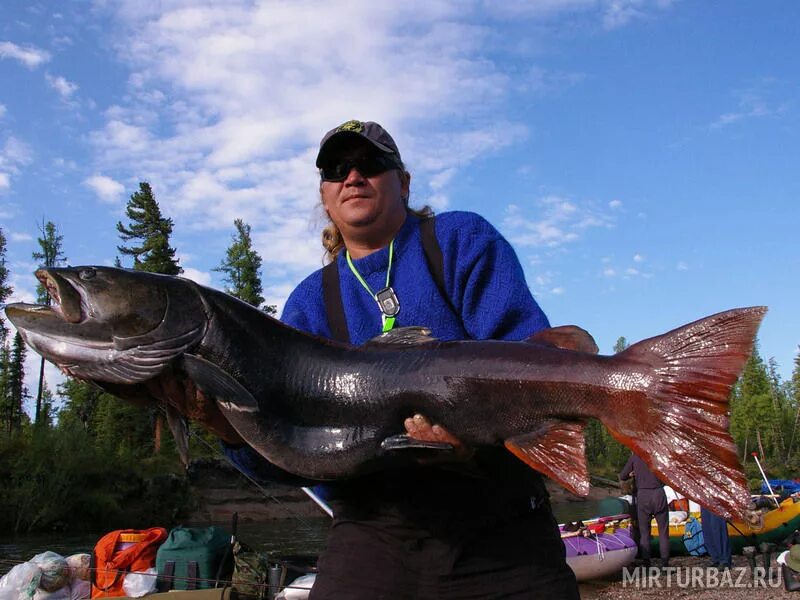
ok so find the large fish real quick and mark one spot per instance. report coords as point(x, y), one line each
point(325, 410)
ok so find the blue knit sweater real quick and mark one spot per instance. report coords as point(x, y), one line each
point(482, 275)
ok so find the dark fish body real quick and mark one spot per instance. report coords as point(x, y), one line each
point(324, 410)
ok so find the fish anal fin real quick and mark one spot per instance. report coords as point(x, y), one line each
point(404, 441)
point(556, 450)
point(566, 337)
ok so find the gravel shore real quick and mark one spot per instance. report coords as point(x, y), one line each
point(692, 578)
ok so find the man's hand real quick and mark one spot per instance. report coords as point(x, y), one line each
point(419, 428)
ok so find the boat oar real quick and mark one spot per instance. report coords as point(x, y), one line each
point(764, 475)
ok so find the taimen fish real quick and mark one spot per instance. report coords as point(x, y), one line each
point(325, 410)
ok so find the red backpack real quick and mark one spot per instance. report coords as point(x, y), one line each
point(120, 552)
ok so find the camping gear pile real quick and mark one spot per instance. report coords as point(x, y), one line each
point(48, 576)
point(130, 563)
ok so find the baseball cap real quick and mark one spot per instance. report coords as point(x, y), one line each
point(370, 131)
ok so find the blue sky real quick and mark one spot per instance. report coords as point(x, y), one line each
point(641, 155)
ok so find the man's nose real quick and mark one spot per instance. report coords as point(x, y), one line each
point(354, 177)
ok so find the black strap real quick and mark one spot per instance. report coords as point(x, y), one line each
point(166, 578)
point(332, 296)
point(332, 293)
point(192, 575)
point(435, 259)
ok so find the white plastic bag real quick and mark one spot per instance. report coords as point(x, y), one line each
point(59, 594)
point(21, 582)
point(55, 571)
point(140, 583)
point(80, 589)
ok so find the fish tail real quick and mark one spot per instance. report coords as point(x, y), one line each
point(681, 431)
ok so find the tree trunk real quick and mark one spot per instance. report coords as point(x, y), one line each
point(159, 429)
point(760, 446)
point(39, 393)
point(794, 430)
point(744, 455)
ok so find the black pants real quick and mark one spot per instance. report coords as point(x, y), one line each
point(652, 503)
point(513, 557)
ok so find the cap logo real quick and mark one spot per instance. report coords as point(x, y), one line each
point(354, 126)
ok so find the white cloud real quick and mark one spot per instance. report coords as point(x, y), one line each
point(201, 277)
point(29, 56)
point(637, 258)
point(615, 204)
point(106, 188)
point(682, 266)
point(64, 87)
point(755, 101)
point(13, 154)
point(554, 221)
point(20, 237)
point(3, 110)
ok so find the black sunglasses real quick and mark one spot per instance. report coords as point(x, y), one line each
point(368, 166)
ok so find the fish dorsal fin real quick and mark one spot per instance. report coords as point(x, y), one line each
point(556, 450)
point(566, 337)
point(403, 336)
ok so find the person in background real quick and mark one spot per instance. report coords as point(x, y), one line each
point(477, 523)
point(715, 537)
point(651, 502)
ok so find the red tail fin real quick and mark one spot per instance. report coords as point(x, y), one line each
point(683, 434)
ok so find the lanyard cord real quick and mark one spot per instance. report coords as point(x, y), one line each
point(388, 322)
point(361, 279)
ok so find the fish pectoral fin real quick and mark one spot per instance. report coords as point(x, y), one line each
point(566, 337)
point(180, 431)
point(403, 336)
point(556, 450)
point(214, 382)
point(405, 442)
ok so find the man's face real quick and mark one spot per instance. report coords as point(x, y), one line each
point(363, 200)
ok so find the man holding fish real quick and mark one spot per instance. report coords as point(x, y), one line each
point(415, 321)
point(475, 523)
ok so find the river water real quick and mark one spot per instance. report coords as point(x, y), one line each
point(282, 537)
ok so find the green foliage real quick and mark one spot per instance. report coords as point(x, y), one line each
point(60, 479)
point(153, 252)
point(5, 289)
point(242, 268)
point(51, 255)
point(13, 380)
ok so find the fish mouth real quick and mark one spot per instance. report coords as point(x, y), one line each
point(66, 300)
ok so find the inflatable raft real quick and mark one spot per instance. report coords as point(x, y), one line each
point(599, 547)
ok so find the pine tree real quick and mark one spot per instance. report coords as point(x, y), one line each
point(51, 255)
point(154, 255)
point(17, 392)
point(5, 289)
point(5, 355)
point(242, 268)
point(152, 231)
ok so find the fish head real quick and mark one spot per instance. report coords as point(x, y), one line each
point(111, 325)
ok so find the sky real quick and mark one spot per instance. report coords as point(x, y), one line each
point(642, 156)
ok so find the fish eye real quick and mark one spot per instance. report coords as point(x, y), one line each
point(87, 273)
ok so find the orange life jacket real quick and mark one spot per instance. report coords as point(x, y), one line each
point(112, 562)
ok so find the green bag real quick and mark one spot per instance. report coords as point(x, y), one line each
point(250, 572)
point(190, 558)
